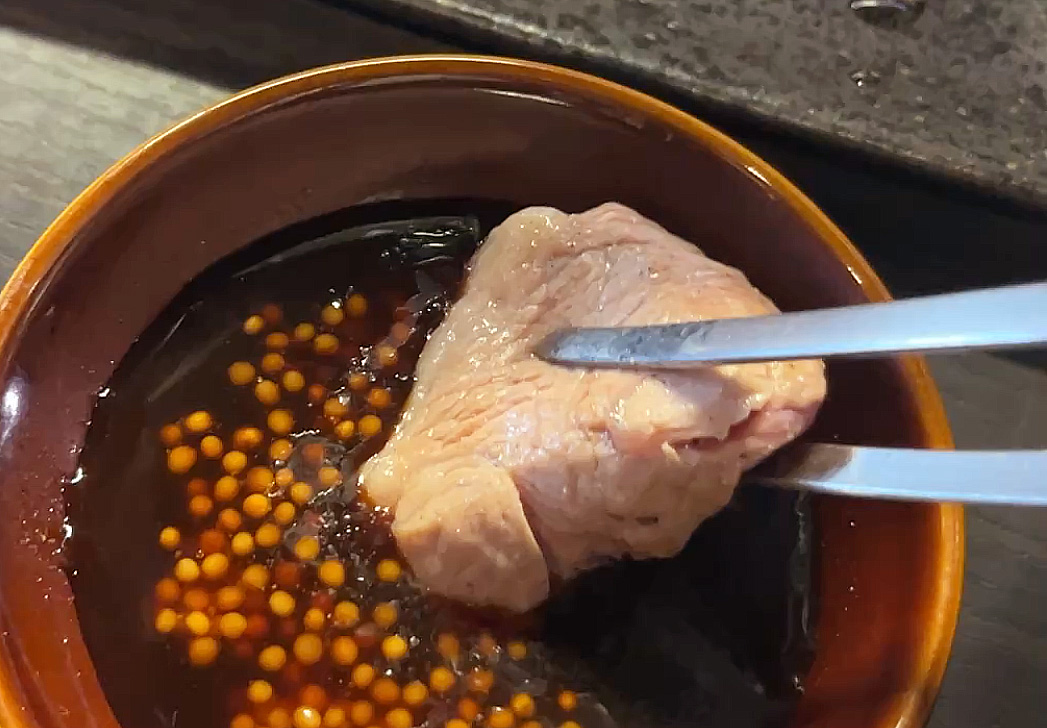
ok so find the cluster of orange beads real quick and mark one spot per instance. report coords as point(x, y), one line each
point(313, 599)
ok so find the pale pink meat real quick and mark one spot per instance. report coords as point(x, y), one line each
point(504, 468)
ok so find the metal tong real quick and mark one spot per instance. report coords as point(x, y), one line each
point(1008, 317)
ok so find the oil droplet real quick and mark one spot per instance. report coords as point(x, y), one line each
point(890, 14)
point(863, 79)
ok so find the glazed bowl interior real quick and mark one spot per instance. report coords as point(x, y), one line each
point(440, 127)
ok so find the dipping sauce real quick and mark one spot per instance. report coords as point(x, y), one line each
point(227, 572)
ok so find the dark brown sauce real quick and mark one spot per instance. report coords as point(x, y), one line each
point(718, 636)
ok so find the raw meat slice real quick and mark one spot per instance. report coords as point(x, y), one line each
point(504, 468)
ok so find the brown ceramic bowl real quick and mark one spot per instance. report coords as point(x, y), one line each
point(441, 126)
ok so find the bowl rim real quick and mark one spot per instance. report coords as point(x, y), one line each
point(21, 292)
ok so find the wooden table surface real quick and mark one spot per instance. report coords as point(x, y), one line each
point(81, 83)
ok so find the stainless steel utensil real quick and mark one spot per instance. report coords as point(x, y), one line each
point(1004, 477)
point(995, 318)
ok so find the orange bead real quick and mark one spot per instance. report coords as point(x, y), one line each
point(286, 574)
point(254, 325)
point(308, 648)
point(457, 723)
point(280, 421)
point(344, 650)
point(329, 476)
point(259, 479)
point(234, 461)
point(334, 717)
point(284, 513)
point(197, 623)
point(389, 570)
point(301, 493)
point(256, 505)
point(242, 721)
point(170, 538)
point(358, 381)
point(181, 459)
point(487, 645)
point(313, 453)
point(325, 344)
point(281, 450)
point(199, 421)
point(332, 573)
point(522, 704)
point(267, 392)
point(196, 600)
point(385, 614)
point(167, 590)
point(379, 398)
point(362, 675)
point(226, 488)
point(334, 408)
point(314, 696)
point(255, 575)
point(272, 313)
point(415, 693)
point(240, 373)
point(203, 651)
point(356, 305)
point(399, 718)
point(387, 355)
point(196, 486)
point(200, 505)
point(259, 691)
point(304, 331)
point(567, 700)
point(211, 446)
point(441, 680)
point(171, 435)
point(369, 425)
point(232, 625)
point(346, 614)
point(448, 646)
point(385, 691)
point(314, 619)
point(186, 570)
point(279, 718)
point(242, 544)
point(215, 566)
point(277, 341)
point(468, 709)
point(344, 429)
point(272, 658)
point(212, 541)
point(272, 363)
point(332, 314)
point(247, 438)
point(281, 603)
point(479, 681)
point(166, 620)
point(316, 393)
point(293, 381)
point(229, 598)
point(230, 519)
point(400, 332)
point(361, 713)
point(307, 548)
point(498, 717)
point(306, 717)
point(394, 647)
